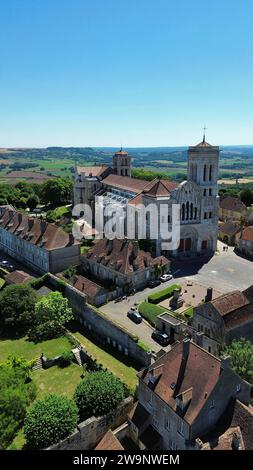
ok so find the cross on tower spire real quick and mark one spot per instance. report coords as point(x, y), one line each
point(204, 135)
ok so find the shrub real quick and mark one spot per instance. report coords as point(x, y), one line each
point(45, 331)
point(150, 311)
point(17, 304)
point(143, 346)
point(98, 394)
point(163, 294)
point(66, 358)
point(49, 420)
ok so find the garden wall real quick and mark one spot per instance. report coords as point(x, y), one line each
point(105, 330)
point(91, 431)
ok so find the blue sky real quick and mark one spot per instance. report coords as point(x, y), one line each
point(130, 72)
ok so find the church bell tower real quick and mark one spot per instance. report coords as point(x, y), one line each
point(122, 163)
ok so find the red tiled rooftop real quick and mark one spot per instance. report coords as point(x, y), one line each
point(122, 255)
point(232, 204)
point(125, 182)
point(247, 234)
point(87, 286)
point(92, 170)
point(109, 442)
point(201, 374)
point(230, 302)
point(36, 231)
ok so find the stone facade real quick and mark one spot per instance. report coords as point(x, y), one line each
point(197, 197)
point(228, 317)
point(41, 246)
point(182, 396)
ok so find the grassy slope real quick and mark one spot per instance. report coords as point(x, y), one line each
point(28, 350)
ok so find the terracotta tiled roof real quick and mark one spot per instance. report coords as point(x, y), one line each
point(125, 182)
point(230, 302)
point(87, 286)
point(232, 204)
point(123, 255)
point(229, 228)
point(247, 234)
point(17, 277)
point(243, 417)
point(159, 188)
point(225, 441)
point(199, 371)
point(36, 231)
point(109, 442)
point(121, 152)
point(92, 170)
point(203, 144)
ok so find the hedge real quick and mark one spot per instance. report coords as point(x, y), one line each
point(150, 311)
point(163, 294)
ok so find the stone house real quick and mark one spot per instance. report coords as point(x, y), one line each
point(181, 398)
point(228, 232)
point(41, 246)
point(219, 321)
point(232, 208)
point(95, 294)
point(244, 243)
point(17, 277)
point(122, 263)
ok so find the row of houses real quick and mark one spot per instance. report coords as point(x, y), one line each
point(41, 246)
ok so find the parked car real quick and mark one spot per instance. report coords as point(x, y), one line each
point(154, 283)
point(4, 263)
point(166, 277)
point(135, 316)
point(160, 337)
point(10, 267)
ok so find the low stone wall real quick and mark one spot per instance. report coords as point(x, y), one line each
point(90, 432)
point(102, 327)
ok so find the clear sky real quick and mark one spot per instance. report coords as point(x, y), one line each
point(136, 72)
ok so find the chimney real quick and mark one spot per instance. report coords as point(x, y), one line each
point(186, 347)
point(199, 338)
point(235, 442)
point(209, 294)
point(185, 354)
point(225, 362)
point(30, 224)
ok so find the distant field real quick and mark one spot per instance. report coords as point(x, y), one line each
point(234, 181)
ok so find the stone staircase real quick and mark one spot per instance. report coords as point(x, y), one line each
point(38, 365)
point(76, 352)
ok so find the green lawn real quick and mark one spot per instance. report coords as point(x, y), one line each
point(61, 381)
point(127, 373)
point(150, 311)
point(2, 282)
point(24, 348)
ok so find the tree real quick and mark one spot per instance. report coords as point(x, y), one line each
point(246, 196)
point(49, 420)
point(32, 201)
point(51, 314)
point(57, 191)
point(98, 393)
point(17, 305)
point(241, 353)
point(17, 392)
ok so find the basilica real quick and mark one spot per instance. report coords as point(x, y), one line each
point(197, 197)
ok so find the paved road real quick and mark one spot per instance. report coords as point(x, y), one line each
point(225, 271)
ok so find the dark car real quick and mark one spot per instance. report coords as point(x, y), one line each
point(161, 337)
point(135, 316)
point(10, 267)
point(154, 283)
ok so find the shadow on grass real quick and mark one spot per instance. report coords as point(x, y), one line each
point(76, 327)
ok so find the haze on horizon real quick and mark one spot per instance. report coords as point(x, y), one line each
point(138, 74)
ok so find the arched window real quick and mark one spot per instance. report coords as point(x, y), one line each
point(183, 211)
point(187, 210)
point(191, 216)
point(204, 173)
point(210, 173)
point(195, 213)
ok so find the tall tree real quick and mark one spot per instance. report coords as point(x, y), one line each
point(241, 353)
